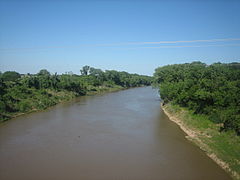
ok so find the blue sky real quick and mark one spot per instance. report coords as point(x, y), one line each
point(133, 36)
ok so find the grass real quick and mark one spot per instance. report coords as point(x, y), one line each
point(224, 145)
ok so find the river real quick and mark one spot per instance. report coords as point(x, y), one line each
point(122, 135)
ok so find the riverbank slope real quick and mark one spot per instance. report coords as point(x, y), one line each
point(41, 100)
point(222, 147)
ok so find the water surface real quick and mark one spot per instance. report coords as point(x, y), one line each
point(121, 135)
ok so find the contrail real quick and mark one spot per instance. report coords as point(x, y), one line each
point(170, 42)
point(214, 45)
point(131, 43)
point(189, 41)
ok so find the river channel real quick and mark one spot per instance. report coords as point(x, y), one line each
point(122, 135)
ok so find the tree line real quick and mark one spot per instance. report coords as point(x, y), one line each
point(21, 93)
point(213, 90)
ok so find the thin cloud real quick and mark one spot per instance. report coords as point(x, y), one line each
point(133, 43)
point(189, 41)
point(216, 45)
point(170, 42)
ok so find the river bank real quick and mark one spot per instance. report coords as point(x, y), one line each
point(222, 147)
point(50, 98)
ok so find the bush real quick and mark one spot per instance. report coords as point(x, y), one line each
point(24, 106)
point(2, 107)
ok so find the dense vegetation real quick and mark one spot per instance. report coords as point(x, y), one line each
point(211, 90)
point(20, 93)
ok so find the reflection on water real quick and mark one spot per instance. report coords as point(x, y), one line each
point(121, 135)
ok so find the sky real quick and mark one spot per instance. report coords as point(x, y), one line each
point(128, 35)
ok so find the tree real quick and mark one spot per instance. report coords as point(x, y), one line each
point(43, 72)
point(85, 70)
point(10, 76)
point(212, 90)
point(39, 91)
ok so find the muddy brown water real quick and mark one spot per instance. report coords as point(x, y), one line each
point(122, 135)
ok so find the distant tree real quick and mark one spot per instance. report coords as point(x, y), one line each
point(44, 72)
point(85, 70)
point(114, 76)
point(2, 87)
point(10, 76)
point(39, 91)
point(55, 81)
point(95, 72)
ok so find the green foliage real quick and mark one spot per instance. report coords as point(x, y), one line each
point(24, 106)
point(44, 72)
point(212, 90)
point(38, 91)
point(10, 76)
point(85, 70)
